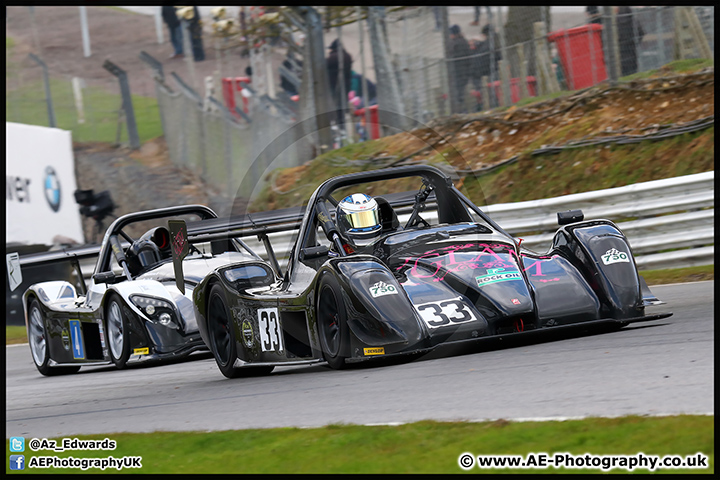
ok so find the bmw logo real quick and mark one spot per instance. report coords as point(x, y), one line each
point(52, 189)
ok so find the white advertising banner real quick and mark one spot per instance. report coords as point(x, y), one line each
point(40, 185)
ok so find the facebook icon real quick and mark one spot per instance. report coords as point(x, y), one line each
point(17, 462)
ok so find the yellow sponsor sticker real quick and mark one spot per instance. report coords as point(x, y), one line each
point(141, 351)
point(374, 351)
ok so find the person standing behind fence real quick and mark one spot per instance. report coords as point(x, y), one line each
point(333, 67)
point(476, 21)
point(173, 23)
point(593, 15)
point(195, 28)
point(630, 34)
point(485, 60)
point(459, 49)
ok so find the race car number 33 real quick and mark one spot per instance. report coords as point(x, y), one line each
point(439, 314)
point(270, 337)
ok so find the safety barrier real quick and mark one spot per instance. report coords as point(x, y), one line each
point(669, 222)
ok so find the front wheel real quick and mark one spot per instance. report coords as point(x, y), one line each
point(118, 332)
point(37, 338)
point(332, 321)
point(221, 331)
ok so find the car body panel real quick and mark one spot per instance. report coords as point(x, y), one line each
point(76, 326)
point(461, 280)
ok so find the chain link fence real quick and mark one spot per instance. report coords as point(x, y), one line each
point(443, 60)
point(512, 53)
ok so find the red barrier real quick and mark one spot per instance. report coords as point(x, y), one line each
point(228, 94)
point(374, 124)
point(581, 55)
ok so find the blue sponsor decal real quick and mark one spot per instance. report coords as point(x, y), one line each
point(76, 339)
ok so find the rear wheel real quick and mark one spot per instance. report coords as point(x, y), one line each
point(332, 321)
point(37, 338)
point(118, 332)
point(221, 331)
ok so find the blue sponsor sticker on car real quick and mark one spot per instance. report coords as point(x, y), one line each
point(78, 348)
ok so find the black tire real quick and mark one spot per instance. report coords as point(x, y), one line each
point(221, 330)
point(37, 338)
point(118, 334)
point(332, 321)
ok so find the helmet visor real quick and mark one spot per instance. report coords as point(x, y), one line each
point(367, 219)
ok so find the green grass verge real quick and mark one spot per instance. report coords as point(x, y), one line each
point(422, 447)
point(26, 104)
point(15, 334)
point(679, 275)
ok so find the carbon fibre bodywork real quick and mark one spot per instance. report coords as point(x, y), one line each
point(419, 286)
point(120, 317)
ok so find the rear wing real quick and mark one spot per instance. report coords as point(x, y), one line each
point(202, 231)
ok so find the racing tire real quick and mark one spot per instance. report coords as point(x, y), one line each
point(332, 321)
point(117, 327)
point(37, 338)
point(221, 331)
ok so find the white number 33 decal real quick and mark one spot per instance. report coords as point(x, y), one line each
point(270, 334)
point(438, 314)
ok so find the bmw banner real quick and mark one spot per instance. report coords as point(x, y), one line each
point(40, 181)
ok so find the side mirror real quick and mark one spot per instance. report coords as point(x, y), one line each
point(104, 277)
point(570, 216)
point(314, 252)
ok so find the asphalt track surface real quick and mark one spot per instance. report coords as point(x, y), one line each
point(654, 368)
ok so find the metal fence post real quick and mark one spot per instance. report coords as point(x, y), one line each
point(608, 46)
point(127, 105)
point(319, 75)
point(158, 25)
point(48, 96)
point(366, 100)
point(85, 33)
point(660, 41)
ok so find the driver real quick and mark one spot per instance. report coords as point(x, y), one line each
point(358, 218)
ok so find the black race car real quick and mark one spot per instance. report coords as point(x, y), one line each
point(133, 309)
point(359, 287)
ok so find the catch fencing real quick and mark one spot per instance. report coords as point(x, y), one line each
point(517, 52)
point(511, 53)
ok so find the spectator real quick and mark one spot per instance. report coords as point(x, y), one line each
point(486, 56)
point(593, 15)
point(356, 86)
point(195, 28)
point(437, 12)
point(476, 21)
point(173, 23)
point(630, 34)
point(459, 49)
point(333, 67)
point(295, 67)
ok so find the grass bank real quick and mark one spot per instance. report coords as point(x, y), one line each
point(422, 447)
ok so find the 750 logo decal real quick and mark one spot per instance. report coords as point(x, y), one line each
point(615, 256)
point(382, 288)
